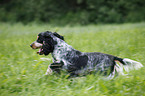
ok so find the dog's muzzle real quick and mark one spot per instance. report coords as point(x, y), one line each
point(36, 45)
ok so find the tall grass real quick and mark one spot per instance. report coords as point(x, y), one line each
point(22, 70)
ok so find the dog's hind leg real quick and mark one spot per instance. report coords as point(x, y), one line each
point(112, 73)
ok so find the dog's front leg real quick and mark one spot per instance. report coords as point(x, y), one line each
point(49, 70)
point(54, 67)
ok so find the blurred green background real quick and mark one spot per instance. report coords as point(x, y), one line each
point(22, 70)
point(62, 12)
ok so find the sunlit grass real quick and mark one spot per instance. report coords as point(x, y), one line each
point(22, 71)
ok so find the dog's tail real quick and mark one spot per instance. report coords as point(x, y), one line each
point(126, 65)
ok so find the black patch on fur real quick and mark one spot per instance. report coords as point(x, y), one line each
point(119, 59)
point(77, 63)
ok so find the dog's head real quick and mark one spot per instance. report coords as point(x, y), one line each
point(45, 42)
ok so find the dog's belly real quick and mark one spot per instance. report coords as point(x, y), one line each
point(84, 63)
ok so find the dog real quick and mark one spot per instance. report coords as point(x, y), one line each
point(77, 63)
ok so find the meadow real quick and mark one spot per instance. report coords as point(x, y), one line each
point(22, 70)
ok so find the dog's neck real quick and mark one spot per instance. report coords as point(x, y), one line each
point(60, 49)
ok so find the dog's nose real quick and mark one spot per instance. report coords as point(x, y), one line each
point(31, 45)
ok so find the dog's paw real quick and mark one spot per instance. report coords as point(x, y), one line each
point(49, 71)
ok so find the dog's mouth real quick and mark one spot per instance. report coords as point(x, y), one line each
point(36, 45)
point(40, 52)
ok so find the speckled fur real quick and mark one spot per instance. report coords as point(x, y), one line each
point(65, 57)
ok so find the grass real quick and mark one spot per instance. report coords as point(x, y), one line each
point(22, 71)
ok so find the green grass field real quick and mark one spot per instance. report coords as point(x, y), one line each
point(22, 70)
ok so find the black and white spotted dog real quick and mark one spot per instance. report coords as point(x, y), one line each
point(79, 63)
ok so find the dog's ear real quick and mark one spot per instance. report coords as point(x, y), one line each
point(48, 46)
point(59, 36)
point(46, 49)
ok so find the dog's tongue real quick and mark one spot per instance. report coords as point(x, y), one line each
point(40, 51)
